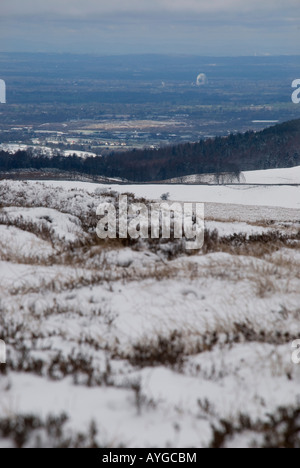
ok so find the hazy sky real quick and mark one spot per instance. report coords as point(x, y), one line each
point(203, 27)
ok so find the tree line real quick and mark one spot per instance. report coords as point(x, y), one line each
point(275, 147)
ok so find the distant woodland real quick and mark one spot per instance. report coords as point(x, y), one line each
point(275, 147)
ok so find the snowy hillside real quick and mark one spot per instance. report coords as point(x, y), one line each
point(250, 195)
point(270, 176)
point(44, 150)
point(274, 176)
point(140, 344)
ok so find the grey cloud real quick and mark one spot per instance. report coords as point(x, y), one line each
point(217, 27)
point(89, 8)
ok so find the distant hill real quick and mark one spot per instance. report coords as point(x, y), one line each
point(274, 147)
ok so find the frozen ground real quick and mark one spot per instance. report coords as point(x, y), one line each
point(141, 344)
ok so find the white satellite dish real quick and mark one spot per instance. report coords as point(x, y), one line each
point(201, 79)
point(2, 92)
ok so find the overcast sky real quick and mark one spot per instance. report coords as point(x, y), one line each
point(202, 27)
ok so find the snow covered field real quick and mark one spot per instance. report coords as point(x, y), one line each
point(270, 176)
point(142, 344)
point(274, 176)
point(251, 195)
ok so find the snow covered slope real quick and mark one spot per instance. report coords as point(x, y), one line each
point(274, 176)
point(279, 196)
point(270, 176)
point(144, 345)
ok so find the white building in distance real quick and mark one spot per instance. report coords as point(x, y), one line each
point(2, 92)
point(201, 79)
